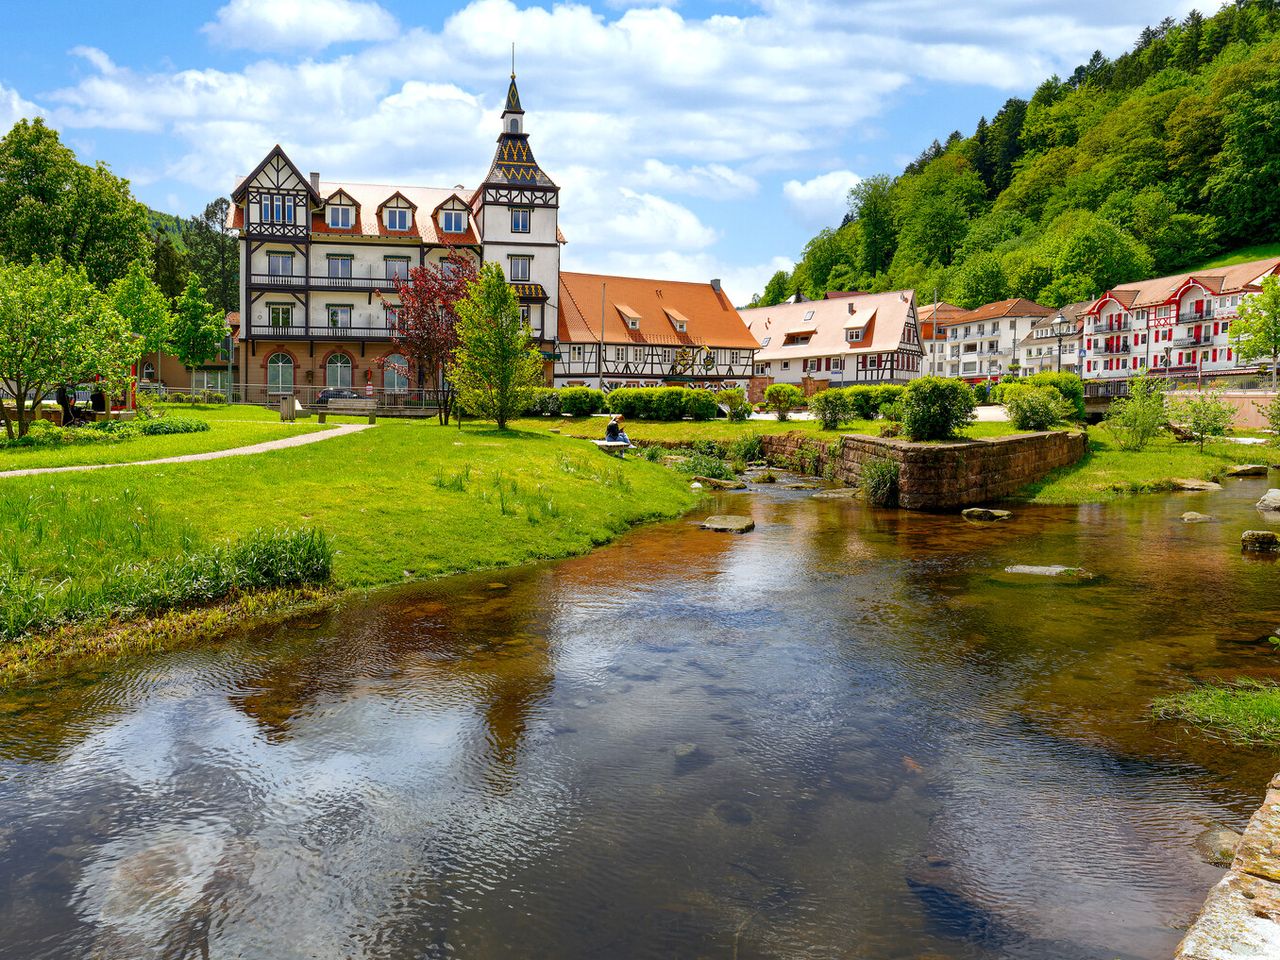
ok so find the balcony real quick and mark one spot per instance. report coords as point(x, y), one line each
point(320, 331)
point(1195, 316)
point(1110, 350)
point(1192, 341)
point(1114, 326)
point(367, 283)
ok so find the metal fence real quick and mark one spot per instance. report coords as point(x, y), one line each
point(390, 401)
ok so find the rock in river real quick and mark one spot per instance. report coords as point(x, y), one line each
point(839, 493)
point(1194, 486)
point(985, 514)
point(1270, 502)
point(729, 524)
point(1260, 541)
point(1054, 570)
point(716, 484)
point(1192, 517)
point(1217, 846)
point(1246, 470)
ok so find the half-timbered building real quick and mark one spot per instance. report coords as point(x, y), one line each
point(839, 341)
point(628, 332)
point(1178, 326)
point(319, 259)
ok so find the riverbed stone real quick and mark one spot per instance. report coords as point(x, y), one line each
point(800, 486)
point(1192, 517)
point(1260, 541)
point(1246, 470)
point(1217, 845)
point(985, 514)
point(840, 493)
point(1191, 485)
point(1052, 570)
point(729, 524)
point(1270, 502)
point(717, 484)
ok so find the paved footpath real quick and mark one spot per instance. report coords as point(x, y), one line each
point(301, 440)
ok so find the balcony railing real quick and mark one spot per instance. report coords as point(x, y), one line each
point(1190, 341)
point(1113, 349)
point(1195, 316)
point(321, 331)
point(276, 281)
point(1117, 326)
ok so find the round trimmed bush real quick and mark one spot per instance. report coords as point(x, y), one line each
point(936, 408)
point(782, 398)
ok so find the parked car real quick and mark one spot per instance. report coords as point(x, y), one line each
point(336, 393)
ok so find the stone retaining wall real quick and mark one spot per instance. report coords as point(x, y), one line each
point(1241, 918)
point(936, 476)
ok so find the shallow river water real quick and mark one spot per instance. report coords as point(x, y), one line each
point(846, 735)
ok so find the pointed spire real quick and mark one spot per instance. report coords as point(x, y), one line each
point(513, 98)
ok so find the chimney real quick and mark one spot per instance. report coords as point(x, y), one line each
point(852, 309)
point(715, 284)
point(315, 181)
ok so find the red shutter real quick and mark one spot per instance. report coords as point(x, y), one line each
point(1215, 355)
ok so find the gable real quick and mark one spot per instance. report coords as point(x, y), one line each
point(276, 172)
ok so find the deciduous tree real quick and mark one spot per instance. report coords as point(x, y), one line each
point(199, 327)
point(496, 368)
point(56, 328)
point(144, 308)
point(1256, 333)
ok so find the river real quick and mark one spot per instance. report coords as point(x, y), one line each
point(848, 734)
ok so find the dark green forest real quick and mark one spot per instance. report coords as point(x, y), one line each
point(1129, 168)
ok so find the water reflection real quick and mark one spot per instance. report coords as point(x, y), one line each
point(846, 734)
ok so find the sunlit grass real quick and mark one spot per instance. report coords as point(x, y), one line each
point(1247, 711)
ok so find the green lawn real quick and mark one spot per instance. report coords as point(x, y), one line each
point(235, 426)
point(1247, 711)
point(406, 499)
point(593, 427)
point(1259, 251)
point(1107, 472)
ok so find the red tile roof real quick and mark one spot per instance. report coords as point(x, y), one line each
point(710, 317)
point(1219, 280)
point(1016, 307)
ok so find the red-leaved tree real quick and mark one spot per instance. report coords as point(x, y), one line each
point(424, 326)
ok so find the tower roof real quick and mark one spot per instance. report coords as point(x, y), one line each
point(513, 98)
point(513, 162)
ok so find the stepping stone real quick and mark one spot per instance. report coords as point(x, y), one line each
point(1260, 541)
point(1049, 571)
point(1270, 501)
point(985, 514)
point(1192, 517)
point(1194, 486)
point(799, 486)
point(716, 484)
point(729, 524)
point(843, 493)
point(1246, 470)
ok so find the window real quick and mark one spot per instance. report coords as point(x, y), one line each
point(521, 218)
point(854, 336)
point(575, 353)
point(637, 354)
point(667, 355)
point(453, 221)
point(395, 374)
point(520, 268)
point(339, 267)
point(280, 314)
point(392, 316)
point(513, 125)
point(995, 327)
point(786, 364)
point(837, 363)
point(279, 373)
point(213, 381)
point(276, 208)
point(633, 323)
point(619, 354)
point(812, 366)
point(280, 264)
point(148, 371)
point(396, 267)
point(397, 218)
point(339, 317)
point(339, 217)
point(808, 315)
point(765, 341)
point(337, 371)
point(762, 369)
point(735, 357)
point(525, 312)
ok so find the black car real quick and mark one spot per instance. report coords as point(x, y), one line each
point(336, 393)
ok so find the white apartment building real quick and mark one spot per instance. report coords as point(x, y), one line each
point(985, 343)
point(1055, 342)
point(1178, 326)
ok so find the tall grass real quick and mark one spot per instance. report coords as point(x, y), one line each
point(30, 603)
point(1247, 711)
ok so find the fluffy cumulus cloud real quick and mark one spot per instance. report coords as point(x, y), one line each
point(680, 140)
point(823, 198)
point(313, 24)
point(13, 108)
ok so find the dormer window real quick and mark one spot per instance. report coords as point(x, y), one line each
point(397, 218)
point(855, 336)
point(453, 221)
point(808, 315)
point(633, 323)
point(340, 217)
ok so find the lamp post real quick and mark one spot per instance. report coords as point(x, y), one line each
point(1058, 323)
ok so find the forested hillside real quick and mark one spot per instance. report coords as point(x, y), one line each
point(1165, 157)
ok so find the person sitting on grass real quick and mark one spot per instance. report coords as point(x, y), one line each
point(614, 433)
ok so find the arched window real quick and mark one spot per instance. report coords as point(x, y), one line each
point(279, 373)
point(148, 371)
point(515, 125)
point(395, 377)
point(337, 371)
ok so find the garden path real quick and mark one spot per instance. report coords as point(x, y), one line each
point(266, 447)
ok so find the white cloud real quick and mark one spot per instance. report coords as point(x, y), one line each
point(714, 181)
point(285, 24)
point(823, 199)
point(13, 108)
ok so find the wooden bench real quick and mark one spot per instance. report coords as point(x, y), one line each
point(614, 448)
point(354, 408)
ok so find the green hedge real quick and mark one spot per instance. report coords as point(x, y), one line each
point(662, 403)
point(840, 405)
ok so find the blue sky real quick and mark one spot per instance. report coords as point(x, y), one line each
point(690, 139)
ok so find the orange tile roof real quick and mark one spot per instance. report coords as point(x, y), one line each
point(930, 313)
point(1161, 290)
point(882, 316)
point(1016, 307)
point(711, 317)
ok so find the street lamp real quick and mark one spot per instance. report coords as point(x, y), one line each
point(1059, 322)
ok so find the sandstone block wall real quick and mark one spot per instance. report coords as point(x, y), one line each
point(937, 476)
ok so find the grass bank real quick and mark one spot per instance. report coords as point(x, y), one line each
point(1247, 711)
point(1106, 472)
point(688, 430)
point(234, 426)
point(404, 500)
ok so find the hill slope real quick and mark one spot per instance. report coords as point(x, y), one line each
point(1166, 156)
